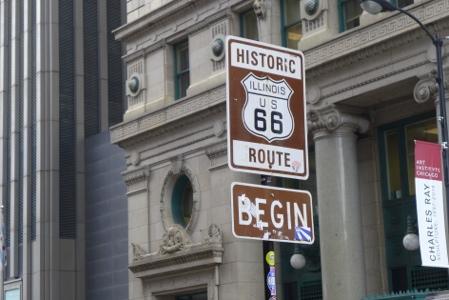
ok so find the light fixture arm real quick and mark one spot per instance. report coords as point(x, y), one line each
point(442, 118)
point(423, 27)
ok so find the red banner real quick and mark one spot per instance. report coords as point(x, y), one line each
point(430, 204)
point(428, 161)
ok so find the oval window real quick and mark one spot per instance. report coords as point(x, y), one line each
point(182, 201)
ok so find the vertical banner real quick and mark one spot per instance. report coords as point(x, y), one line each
point(429, 204)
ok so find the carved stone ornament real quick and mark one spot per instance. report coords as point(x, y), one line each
point(330, 119)
point(138, 251)
point(313, 95)
point(311, 7)
point(135, 158)
point(219, 128)
point(175, 239)
point(260, 9)
point(214, 235)
point(425, 89)
point(176, 165)
point(136, 175)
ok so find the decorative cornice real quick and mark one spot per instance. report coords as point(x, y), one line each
point(135, 176)
point(196, 257)
point(329, 119)
point(373, 34)
point(383, 75)
point(178, 254)
point(191, 110)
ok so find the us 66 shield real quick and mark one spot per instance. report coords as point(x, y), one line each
point(266, 109)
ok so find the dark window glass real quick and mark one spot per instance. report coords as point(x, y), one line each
point(402, 3)
point(196, 296)
point(115, 70)
point(248, 25)
point(182, 201)
point(291, 23)
point(350, 12)
point(182, 69)
point(67, 133)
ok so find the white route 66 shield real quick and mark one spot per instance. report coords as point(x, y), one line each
point(267, 107)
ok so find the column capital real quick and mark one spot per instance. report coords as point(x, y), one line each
point(330, 119)
point(426, 89)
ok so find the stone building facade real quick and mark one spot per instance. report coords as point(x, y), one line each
point(370, 84)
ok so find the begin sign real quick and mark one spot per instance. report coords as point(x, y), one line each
point(274, 214)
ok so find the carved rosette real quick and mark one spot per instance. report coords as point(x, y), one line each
point(330, 119)
point(425, 89)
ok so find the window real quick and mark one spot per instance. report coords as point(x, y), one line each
point(12, 294)
point(398, 193)
point(248, 25)
point(182, 71)
point(349, 11)
point(182, 201)
point(291, 23)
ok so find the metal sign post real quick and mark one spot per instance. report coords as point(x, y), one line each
point(267, 135)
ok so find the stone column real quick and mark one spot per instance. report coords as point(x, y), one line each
point(342, 259)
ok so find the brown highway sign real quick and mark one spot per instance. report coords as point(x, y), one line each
point(272, 214)
point(266, 112)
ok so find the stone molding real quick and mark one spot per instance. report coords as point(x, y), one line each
point(385, 29)
point(216, 154)
point(135, 176)
point(192, 109)
point(186, 258)
point(329, 119)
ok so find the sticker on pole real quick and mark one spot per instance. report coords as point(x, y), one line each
point(267, 132)
point(272, 214)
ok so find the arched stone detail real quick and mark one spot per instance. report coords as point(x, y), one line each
point(178, 169)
